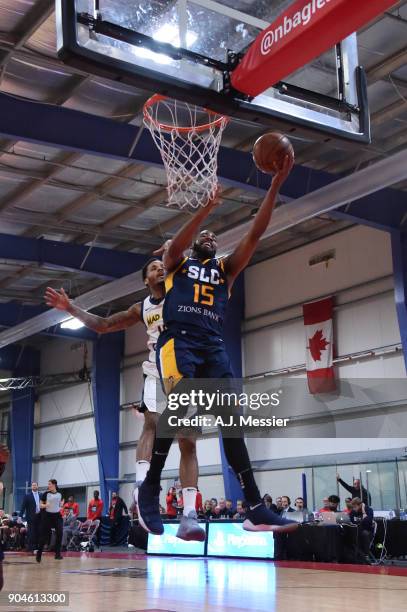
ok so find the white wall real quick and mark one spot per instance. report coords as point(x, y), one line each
point(64, 356)
point(362, 254)
point(362, 269)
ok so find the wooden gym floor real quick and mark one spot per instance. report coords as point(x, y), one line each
point(128, 582)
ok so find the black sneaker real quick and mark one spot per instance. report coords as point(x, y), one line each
point(149, 508)
point(58, 557)
point(260, 518)
point(38, 556)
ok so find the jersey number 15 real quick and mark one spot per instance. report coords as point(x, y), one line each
point(203, 294)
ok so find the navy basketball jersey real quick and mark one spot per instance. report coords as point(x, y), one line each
point(196, 295)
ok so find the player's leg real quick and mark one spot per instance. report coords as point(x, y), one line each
point(145, 448)
point(258, 516)
point(173, 365)
point(145, 445)
point(150, 407)
point(189, 528)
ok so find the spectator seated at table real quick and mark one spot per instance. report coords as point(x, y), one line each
point(230, 511)
point(362, 516)
point(268, 502)
point(72, 506)
point(325, 507)
point(299, 505)
point(207, 509)
point(334, 502)
point(223, 512)
point(215, 512)
point(331, 504)
point(240, 510)
point(286, 503)
point(279, 505)
point(348, 505)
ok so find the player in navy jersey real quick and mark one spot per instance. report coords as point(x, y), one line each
point(191, 347)
point(149, 311)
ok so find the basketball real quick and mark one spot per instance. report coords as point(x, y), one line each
point(270, 150)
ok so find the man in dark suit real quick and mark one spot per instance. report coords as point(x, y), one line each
point(30, 509)
point(117, 507)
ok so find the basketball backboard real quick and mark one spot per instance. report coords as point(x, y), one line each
point(187, 49)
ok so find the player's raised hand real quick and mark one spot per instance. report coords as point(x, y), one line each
point(56, 299)
point(162, 248)
point(215, 199)
point(282, 172)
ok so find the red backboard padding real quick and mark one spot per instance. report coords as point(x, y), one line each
point(304, 31)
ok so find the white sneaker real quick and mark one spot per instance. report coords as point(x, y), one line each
point(189, 528)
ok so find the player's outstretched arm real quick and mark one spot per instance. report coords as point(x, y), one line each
point(238, 260)
point(101, 325)
point(174, 249)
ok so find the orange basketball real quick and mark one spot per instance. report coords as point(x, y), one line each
point(270, 150)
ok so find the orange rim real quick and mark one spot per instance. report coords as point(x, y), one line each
point(218, 119)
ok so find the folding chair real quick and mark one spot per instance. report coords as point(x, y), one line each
point(87, 535)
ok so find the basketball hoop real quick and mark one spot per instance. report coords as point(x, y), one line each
point(188, 138)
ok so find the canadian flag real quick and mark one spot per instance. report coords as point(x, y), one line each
point(319, 345)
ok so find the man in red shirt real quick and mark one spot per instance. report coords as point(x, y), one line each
point(171, 500)
point(95, 507)
point(325, 507)
point(333, 503)
point(72, 506)
point(198, 502)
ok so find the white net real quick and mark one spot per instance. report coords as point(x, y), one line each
point(188, 138)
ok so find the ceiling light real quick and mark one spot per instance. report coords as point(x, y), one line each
point(72, 324)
